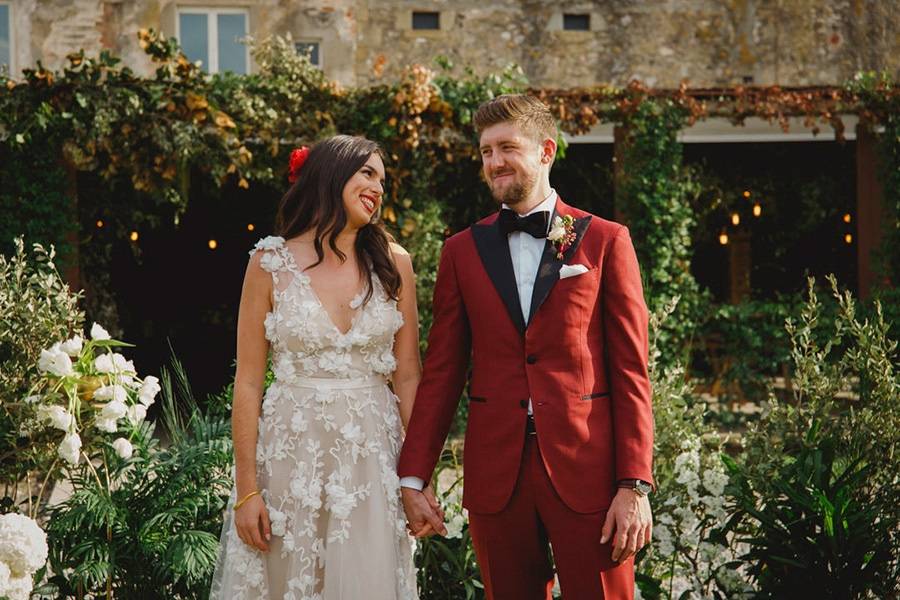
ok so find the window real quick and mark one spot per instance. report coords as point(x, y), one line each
point(311, 51)
point(573, 22)
point(426, 20)
point(213, 36)
point(5, 39)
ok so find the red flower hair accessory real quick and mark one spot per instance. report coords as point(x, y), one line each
point(298, 157)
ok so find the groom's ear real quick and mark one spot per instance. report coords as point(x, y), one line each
point(548, 151)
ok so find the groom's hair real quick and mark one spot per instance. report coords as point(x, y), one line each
point(528, 113)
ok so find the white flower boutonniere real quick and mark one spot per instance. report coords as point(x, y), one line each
point(562, 234)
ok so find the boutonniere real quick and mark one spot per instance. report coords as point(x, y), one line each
point(562, 234)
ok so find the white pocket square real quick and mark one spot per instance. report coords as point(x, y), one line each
point(571, 270)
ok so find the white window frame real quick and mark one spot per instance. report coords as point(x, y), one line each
point(12, 38)
point(212, 30)
point(319, 65)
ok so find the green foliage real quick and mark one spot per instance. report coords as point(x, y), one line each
point(654, 196)
point(830, 452)
point(38, 310)
point(149, 526)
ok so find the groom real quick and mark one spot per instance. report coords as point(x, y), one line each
point(559, 439)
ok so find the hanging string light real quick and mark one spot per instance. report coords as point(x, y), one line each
point(99, 223)
point(735, 219)
point(723, 238)
point(848, 238)
point(134, 236)
point(747, 194)
point(213, 244)
point(250, 226)
point(757, 209)
point(847, 217)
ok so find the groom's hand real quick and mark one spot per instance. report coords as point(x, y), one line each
point(629, 524)
point(423, 513)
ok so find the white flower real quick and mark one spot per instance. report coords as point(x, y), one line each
point(123, 448)
point(115, 410)
point(270, 243)
point(56, 362)
point(107, 425)
point(298, 422)
point(114, 392)
point(98, 333)
point(59, 417)
point(557, 230)
point(149, 389)
point(23, 545)
point(122, 364)
point(72, 346)
point(70, 448)
point(278, 521)
point(714, 481)
point(352, 433)
point(339, 501)
point(104, 363)
point(18, 588)
point(136, 414)
point(32, 399)
point(271, 262)
point(455, 526)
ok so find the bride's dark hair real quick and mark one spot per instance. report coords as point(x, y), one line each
point(315, 201)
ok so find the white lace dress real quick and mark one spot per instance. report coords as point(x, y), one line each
point(329, 436)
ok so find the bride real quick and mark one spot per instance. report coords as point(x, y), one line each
point(315, 513)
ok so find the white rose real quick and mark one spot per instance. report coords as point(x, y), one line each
point(149, 389)
point(23, 544)
point(70, 448)
point(107, 425)
point(557, 232)
point(115, 409)
point(104, 363)
point(72, 346)
point(136, 414)
point(56, 362)
point(123, 448)
point(59, 417)
point(98, 333)
point(111, 392)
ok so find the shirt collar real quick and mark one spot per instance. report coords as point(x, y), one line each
point(548, 204)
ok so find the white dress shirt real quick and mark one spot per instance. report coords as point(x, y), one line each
point(525, 250)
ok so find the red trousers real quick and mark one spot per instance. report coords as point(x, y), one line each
point(513, 552)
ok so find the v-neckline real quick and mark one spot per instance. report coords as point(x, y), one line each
point(356, 299)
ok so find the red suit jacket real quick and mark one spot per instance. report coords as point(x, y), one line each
point(581, 359)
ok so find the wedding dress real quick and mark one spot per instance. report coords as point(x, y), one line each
point(329, 436)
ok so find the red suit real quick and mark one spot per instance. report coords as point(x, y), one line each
point(582, 361)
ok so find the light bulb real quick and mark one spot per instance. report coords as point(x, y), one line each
point(99, 223)
point(735, 219)
point(723, 238)
point(746, 193)
point(134, 236)
point(213, 244)
point(848, 238)
point(757, 209)
point(847, 217)
point(250, 227)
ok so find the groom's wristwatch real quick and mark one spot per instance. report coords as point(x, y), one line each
point(638, 486)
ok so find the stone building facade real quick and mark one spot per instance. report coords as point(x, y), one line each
point(559, 44)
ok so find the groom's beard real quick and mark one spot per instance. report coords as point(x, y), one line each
point(515, 192)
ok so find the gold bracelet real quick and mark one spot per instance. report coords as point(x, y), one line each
point(241, 502)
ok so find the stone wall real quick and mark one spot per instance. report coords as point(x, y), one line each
point(661, 42)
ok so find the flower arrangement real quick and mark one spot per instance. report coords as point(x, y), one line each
point(89, 390)
point(23, 551)
point(562, 234)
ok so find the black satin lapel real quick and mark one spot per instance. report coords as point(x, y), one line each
point(548, 269)
point(493, 248)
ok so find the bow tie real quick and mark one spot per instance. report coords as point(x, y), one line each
point(534, 224)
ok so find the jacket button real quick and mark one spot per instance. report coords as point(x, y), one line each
point(523, 403)
point(531, 359)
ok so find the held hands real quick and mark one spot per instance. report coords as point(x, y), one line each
point(629, 524)
point(251, 520)
point(423, 513)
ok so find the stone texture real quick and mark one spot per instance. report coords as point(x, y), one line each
point(661, 42)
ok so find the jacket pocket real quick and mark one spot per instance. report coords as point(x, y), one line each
point(595, 395)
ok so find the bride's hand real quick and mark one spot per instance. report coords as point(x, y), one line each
point(252, 523)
